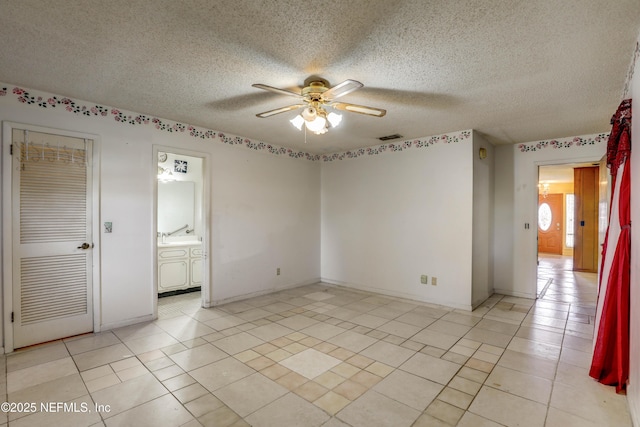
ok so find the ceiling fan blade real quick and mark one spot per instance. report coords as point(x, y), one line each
point(370, 111)
point(280, 110)
point(342, 89)
point(276, 90)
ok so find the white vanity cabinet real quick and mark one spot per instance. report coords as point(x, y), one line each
point(195, 266)
point(179, 267)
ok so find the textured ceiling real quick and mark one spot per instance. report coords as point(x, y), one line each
point(516, 71)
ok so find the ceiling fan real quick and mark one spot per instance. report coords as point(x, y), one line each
point(313, 98)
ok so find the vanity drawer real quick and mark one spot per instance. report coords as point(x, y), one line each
point(173, 253)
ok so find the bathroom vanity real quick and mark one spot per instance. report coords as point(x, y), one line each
point(179, 266)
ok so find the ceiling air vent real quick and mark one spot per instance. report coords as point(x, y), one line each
point(390, 137)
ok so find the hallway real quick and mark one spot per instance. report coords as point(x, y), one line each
point(558, 282)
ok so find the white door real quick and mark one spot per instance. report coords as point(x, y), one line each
point(52, 241)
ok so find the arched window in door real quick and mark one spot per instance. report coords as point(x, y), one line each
point(544, 216)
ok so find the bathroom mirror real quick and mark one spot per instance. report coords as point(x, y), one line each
point(176, 203)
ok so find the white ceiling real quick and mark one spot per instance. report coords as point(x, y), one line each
point(516, 71)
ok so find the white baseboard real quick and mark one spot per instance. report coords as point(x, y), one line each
point(511, 293)
point(150, 317)
point(297, 285)
point(127, 322)
point(479, 302)
point(403, 295)
point(262, 292)
point(633, 400)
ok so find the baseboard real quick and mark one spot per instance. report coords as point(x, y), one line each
point(482, 301)
point(634, 405)
point(128, 322)
point(297, 285)
point(511, 293)
point(403, 295)
point(241, 297)
point(150, 317)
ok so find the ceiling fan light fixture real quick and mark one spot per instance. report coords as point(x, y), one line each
point(309, 114)
point(334, 119)
point(313, 98)
point(297, 121)
point(318, 125)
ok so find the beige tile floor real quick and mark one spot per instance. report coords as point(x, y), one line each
point(327, 356)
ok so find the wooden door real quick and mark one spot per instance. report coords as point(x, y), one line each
point(550, 224)
point(52, 262)
point(585, 252)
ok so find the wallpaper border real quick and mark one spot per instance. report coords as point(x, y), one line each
point(51, 101)
point(560, 143)
point(400, 146)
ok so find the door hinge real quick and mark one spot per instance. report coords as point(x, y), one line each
point(11, 149)
point(12, 317)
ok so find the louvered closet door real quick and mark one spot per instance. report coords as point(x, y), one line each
point(52, 237)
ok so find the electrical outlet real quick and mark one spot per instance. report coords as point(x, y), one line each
point(424, 279)
point(434, 281)
point(278, 271)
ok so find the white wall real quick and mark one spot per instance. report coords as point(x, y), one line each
point(521, 281)
point(266, 214)
point(633, 392)
point(483, 199)
point(503, 217)
point(265, 210)
point(391, 217)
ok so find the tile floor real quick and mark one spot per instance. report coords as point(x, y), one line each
point(326, 356)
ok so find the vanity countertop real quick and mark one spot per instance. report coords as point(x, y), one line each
point(179, 243)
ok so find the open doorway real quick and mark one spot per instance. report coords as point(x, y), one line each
point(181, 229)
point(571, 222)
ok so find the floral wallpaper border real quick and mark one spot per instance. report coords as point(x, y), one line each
point(52, 101)
point(400, 146)
point(569, 142)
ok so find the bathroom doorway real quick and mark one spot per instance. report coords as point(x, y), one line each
point(181, 225)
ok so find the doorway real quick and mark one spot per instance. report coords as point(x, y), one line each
point(49, 216)
point(570, 222)
point(181, 224)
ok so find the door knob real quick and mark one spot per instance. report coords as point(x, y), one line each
point(85, 246)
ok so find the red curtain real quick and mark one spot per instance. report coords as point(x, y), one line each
point(610, 363)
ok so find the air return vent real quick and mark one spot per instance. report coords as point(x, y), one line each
point(390, 137)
